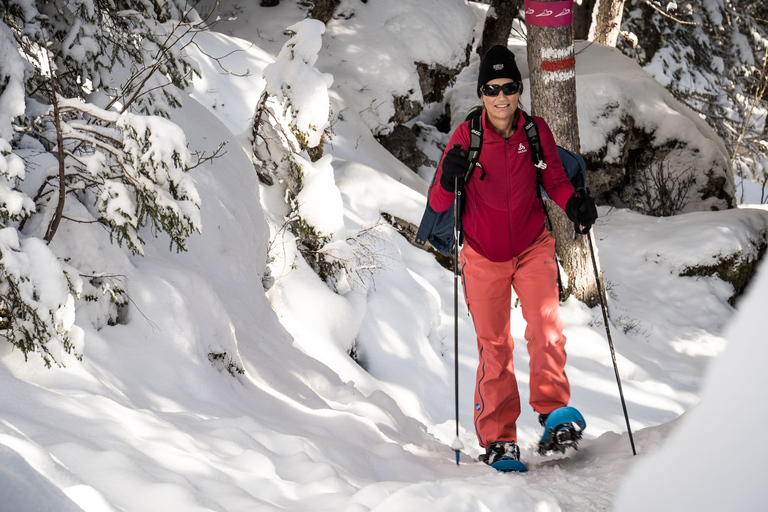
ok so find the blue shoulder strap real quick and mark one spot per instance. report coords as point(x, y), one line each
point(573, 164)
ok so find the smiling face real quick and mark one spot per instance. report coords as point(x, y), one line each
point(501, 109)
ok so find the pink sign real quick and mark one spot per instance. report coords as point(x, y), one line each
point(548, 14)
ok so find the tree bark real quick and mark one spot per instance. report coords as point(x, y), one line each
point(323, 10)
point(498, 24)
point(607, 22)
point(551, 64)
point(53, 226)
point(582, 19)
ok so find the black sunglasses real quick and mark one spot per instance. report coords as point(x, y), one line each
point(508, 89)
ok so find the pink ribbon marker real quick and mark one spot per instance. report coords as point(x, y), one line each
point(548, 14)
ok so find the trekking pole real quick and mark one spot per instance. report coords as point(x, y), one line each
point(457, 445)
point(610, 339)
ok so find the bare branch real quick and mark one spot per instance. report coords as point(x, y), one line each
point(218, 60)
point(80, 221)
point(201, 158)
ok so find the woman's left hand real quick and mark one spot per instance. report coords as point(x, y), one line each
point(582, 211)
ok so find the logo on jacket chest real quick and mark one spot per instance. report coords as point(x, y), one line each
point(521, 149)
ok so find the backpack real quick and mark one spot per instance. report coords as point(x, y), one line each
point(437, 228)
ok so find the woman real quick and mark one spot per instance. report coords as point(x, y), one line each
point(506, 243)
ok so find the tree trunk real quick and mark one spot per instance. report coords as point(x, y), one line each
point(53, 226)
point(582, 19)
point(498, 24)
point(551, 64)
point(323, 10)
point(607, 22)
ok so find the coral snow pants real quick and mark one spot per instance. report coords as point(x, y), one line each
point(487, 291)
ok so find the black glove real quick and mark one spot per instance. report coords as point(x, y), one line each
point(582, 211)
point(455, 165)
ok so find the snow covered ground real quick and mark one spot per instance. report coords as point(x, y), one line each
point(148, 422)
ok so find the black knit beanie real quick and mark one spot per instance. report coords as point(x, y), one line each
point(498, 62)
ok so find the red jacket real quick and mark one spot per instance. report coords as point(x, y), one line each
point(502, 212)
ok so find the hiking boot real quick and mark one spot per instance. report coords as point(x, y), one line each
point(504, 450)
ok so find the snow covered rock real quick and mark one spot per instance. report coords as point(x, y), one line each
point(644, 149)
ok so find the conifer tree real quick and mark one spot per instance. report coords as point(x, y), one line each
point(92, 83)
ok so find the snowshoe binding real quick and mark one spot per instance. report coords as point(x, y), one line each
point(504, 456)
point(563, 428)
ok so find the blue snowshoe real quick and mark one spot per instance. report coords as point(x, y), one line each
point(562, 430)
point(504, 457)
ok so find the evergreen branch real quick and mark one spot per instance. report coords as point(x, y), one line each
point(98, 134)
point(667, 15)
point(97, 144)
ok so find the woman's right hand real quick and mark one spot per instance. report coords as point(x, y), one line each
point(455, 165)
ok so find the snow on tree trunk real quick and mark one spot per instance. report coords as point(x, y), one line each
point(607, 22)
point(551, 64)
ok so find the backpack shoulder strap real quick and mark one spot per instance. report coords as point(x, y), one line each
point(475, 141)
point(534, 141)
point(537, 153)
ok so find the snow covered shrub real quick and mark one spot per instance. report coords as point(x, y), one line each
point(129, 50)
point(660, 191)
point(86, 87)
point(110, 287)
point(223, 361)
point(634, 123)
point(291, 120)
point(131, 167)
point(299, 90)
point(37, 305)
point(360, 257)
point(15, 205)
